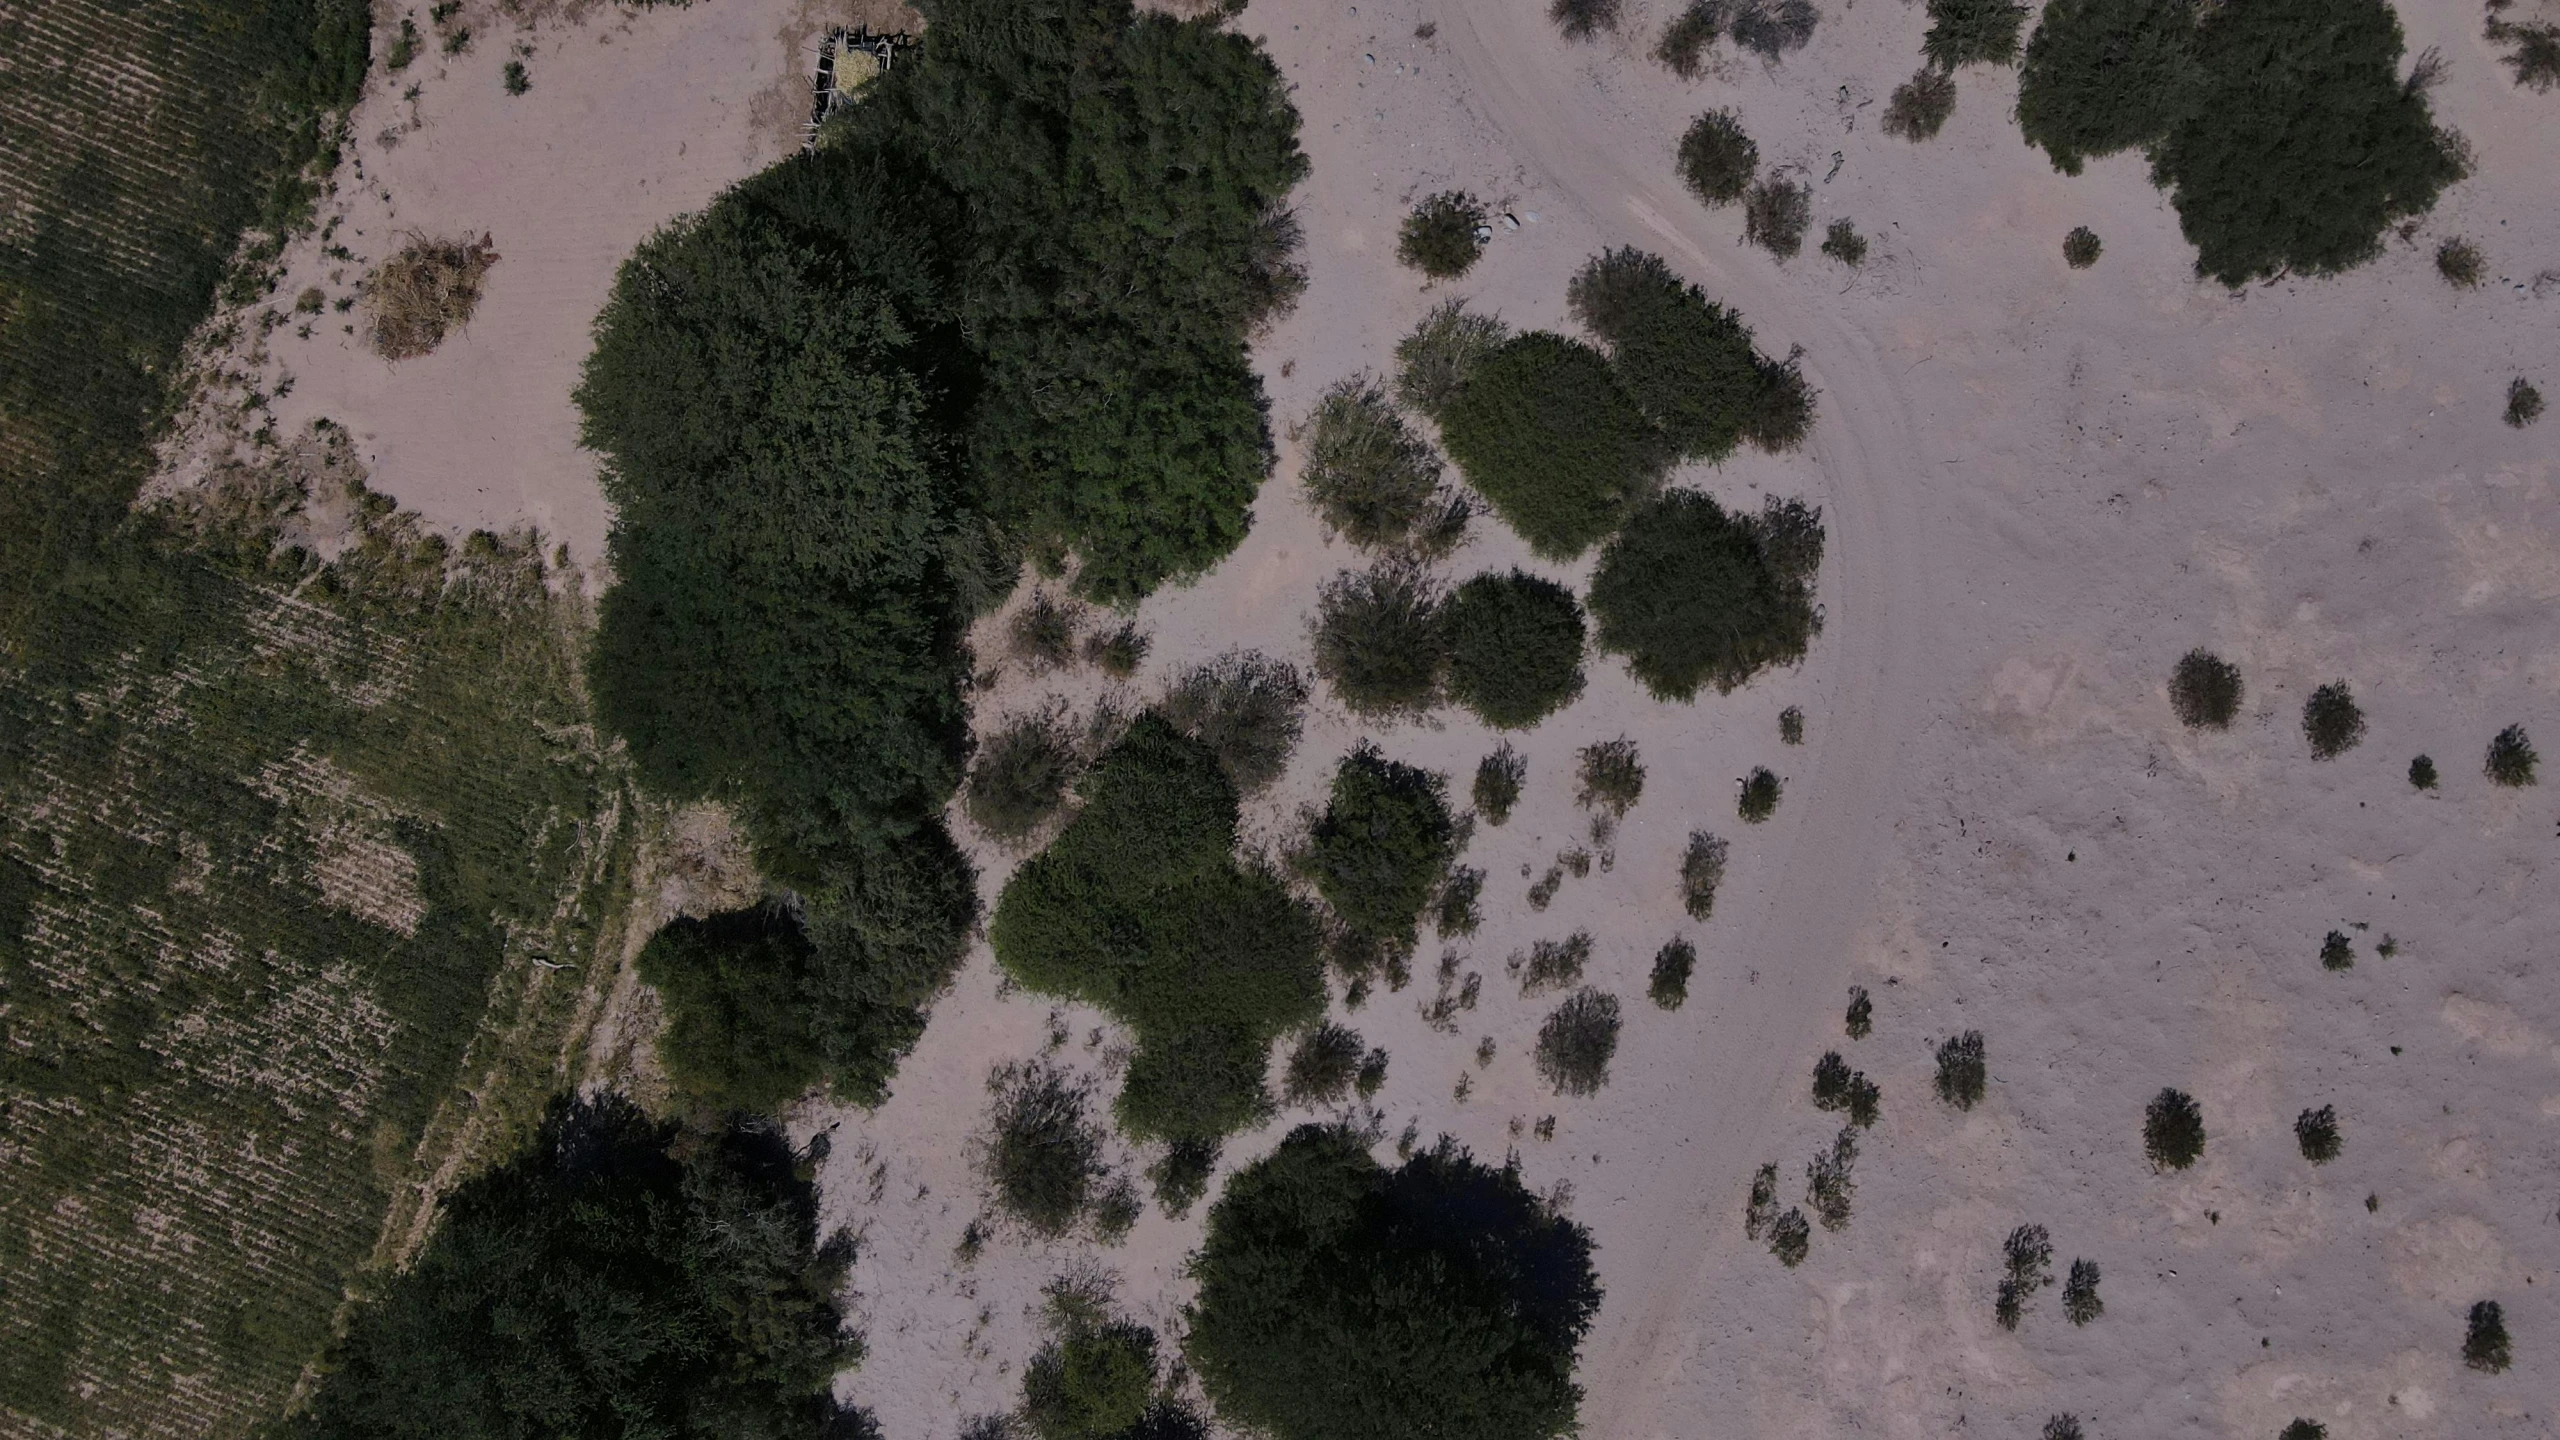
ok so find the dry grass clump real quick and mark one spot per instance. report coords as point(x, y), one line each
point(2458, 261)
point(1860, 1019)
point(1919, 106)
point(1042, 1155)
point(430, 287)
point(1791, 725)
point(1551, 964)
point(1775, 215)
point(1119, 651)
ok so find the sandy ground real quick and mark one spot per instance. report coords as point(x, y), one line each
point(2042, 486)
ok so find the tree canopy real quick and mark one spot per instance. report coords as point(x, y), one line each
point(1515, 647)
point(1694, 596)
point(2104, 75)
point(1543, 428)
point(1341, 1300)
point(1383, 844)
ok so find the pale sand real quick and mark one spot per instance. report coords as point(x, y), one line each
point(2042, 486)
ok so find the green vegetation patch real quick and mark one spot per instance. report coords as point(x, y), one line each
point(1515, 648)
point(2103, 76)
point(608, 1280)
point(1339, 1297)
point(1385, 840)
point(1693, 596)
point(1544, 430)
point(1687, 361)
point(1138, 907)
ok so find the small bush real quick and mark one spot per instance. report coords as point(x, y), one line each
point(1837, 1087)
point(1247, 708)
point(1543, 430)
point(1759, 799)
point(1434, 363)
point(1672, 965)
point(1861, 1016)
point(1091, 1383)
point(1181, 1175)
point(2080, 1302)
point(2081, 248)
point(431, 286)
point(1382, 846)
point(1584, 19)
point(1775, 214)
point(1760, 1210)
point(2301, 1429)
point(516, 78)
point(1515, 648)
point(2205, 691)
point(1701, 874)
point(2458, 261)
point(1791, 726)
point(1963, 1071)
point(2316, 1131)
point(2172, 1130)
point(1043, 1153)
point(1790, 1237)
point(1454, 913)
point(1370, 477)
point(1843, 243)
point(1611, 777)
point(1829, 1185)
point(1498, 779)
point(1378, 640)
point(2337, 952)
point(1577, 1041)
point(2331, 721)
point(1044, 631)
point(2062, 1427)
point(2524, 403)
point(1693, 596)
point(1717, 159)
point(2511, 760)
point(2484, 1338)
point(1973, 32)
point(1551, 964)
point(1918, 108)
point(1118, 651)
point(1020, 776)
point(2422, 773)
point(1321, 1069)
point(1439, 237)
point(1372, 1074)
point(2027, 1263)
point(2536, 56)
point(1685, 40)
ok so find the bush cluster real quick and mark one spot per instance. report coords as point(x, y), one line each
point(1843, 243)
point(1551, 964)
point(2422, 773)
point(2484, 1338)
point(1693, 596)
point(1770, 29)
point(1095, 1380)
point(1515, 648)
point(1584, 19)
point(1860, 1018)
point(1385, 840)
point(1338, 1297)
point(1323, 1066)
point(1837, 1087)
point(1686, 361)
point(2337, 952)
point(1545, 432)
point(1830, 1180)
point(2080, 1302)
point(1138, 907)
point(1439, 237)
point(2027, 1266)
point(1247, 708)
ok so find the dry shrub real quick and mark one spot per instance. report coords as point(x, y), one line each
point(1775, 214)
point(1247, 708)
point(1702, 873)
point(431, 286)
point(1919, 107)
point(2458, 261)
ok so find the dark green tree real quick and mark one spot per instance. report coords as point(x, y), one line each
point(1973, 32)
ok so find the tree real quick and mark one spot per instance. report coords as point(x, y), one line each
point(1384, 842)
point(2103, 76)
point(1515, 648)
point(609, 1280)
point(1341, 1298)
point(2172, 1130)
point(2332, 721)
point(737, 1034)
point(1544, 431)
point(1693, 596)
point(1093, 1382)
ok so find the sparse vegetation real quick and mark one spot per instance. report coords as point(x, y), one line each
point(426, 290)
point(2081, 248)
point(1610, 777)
point(1963, 1071)
point(1759, 798)
point(1973, 32)
point(1918, 108)
point(1860, 1019)
point(1382, 845)
point(2511, 759)
point(1515, 648)
point(1701, 874)
point(2458, 261)
point(1498, 779)
point(1830, 1186)
point(1550, 965)
point(1042, 1154)
point(1760, 1210)
point(1791, 726)
point(1378, 640)
point(1434, 363)
point(1693, 596)
point(2535, 58)
point(2524, 403)
point(2205, 690)
point(1577, 1041)
point(1545, 432)
point(2331, 721)
point(1668, 987)
point(1687, 361)
point(2337, 952)
point(1439, 237)
point(1372, 479)
point(1437, 1297)
point(1843, 243)
point(1247, 708)
point(2316, 1131)
point(2027, 1266)
point(2484, 1338)
point(1322, 1068)
point(2080, 1302)
point(2104, 76)
point(2172, 1130)
point(1584, 19)
point(1020, 776)
point(1717, 159)
point(1775, 214)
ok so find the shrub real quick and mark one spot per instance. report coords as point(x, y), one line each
point(1370, 477)
point(2027, 1260)
point(734, 986)
point(1759, 798)
point(2336, 952)
point(1973, 32)
point(2511, 759)
point(1044, 631)
point(2298, 146)
point(1247, 708)
point(1515, 648)
point(2422, 773)
point(2172, 1130)
point(1837, 1087)
point(2081, 248)
point(1382, 846)
point(2458, 261)
point(2524, 403)
point(1672, 965)
point(1180, 1176)
point(2484, 1338)
point(516, 78)
point(1497, 786)
point(1584, 19)
point(1829, 1186)
point(2080, 1302)
point(1323, 1066)
point(1577, 1041)
point(1686, 361)
point(1139, 908)
point(610, 1279)
point(1843, 243)
point(1544, 431)
point(2536, 56)
point(1434, 363)
point(2062, 1427)
point(1775, 214)
point(1611, 777)
point(1860, 1018)
point(430, 286)
point(1454, 914)
point(2331, 721)
point(1020, 776)
point(1438, 1297)
point(1962, 1070)
point(1790, 1237)
point(1092, 1383)
point(1439, 237)
point(2301, 1429)
point(1773, 28)
point(2205, 691)
point(1918, 108)
point(1791, 726)
point(1042, 1155)
point(1119, 651)
point(1685, 40)
point(1551, 964)
point(1378, 639)
point(2316, 1131)
point(1701, 874)
point(1718, 160)
point(1760, 1210)
point(1693, 596)
point(2103, 76)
